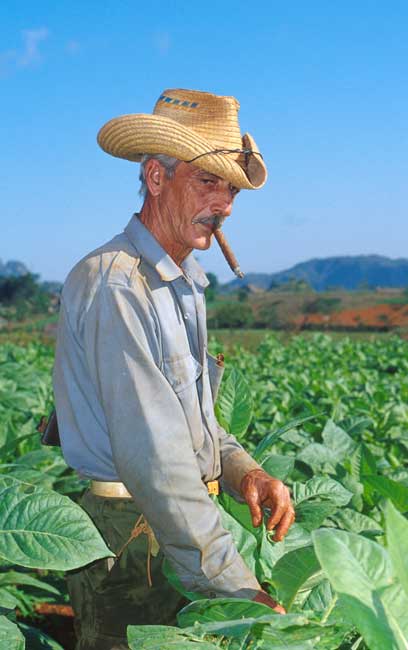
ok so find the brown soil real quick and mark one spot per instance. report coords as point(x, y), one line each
point(377, 317)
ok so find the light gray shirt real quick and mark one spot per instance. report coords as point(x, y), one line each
point(135, 388)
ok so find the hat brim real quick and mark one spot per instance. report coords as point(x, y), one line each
point(131, 136)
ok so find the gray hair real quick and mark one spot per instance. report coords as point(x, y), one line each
point(168, 163)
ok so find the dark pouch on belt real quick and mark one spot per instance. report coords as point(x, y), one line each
point(49, 430)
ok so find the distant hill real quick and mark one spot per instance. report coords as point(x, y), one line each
point(347, 272)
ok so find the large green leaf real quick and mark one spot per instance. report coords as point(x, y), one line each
point(11, 637)
point(234, 404)
point(221, 609)
point(42, 529)
point(163, 637)
point(355, 522)
point(317, 499)
point(278, 466)
point(244, 539)
point(395, 602)
point(257, 626)
point(320, 488)
point(359, 570)
point(292, 571)
point(319, 457)
point(396, 527)
point(338, 440)
point(397, 492)
point(320, 597)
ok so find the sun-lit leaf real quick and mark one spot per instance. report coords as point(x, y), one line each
point(11, 637)
point(396, 527)
point(234, 404)
point(43, 529)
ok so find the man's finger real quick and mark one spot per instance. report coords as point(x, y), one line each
point(284, 525)
point(277, 514)
point(254, 504)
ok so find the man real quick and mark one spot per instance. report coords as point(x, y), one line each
point(135, 385)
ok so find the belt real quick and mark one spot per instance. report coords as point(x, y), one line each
point(118, 490)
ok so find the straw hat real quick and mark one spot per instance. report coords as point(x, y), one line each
point(193, 126)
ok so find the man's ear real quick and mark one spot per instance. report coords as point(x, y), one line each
point(154, 175)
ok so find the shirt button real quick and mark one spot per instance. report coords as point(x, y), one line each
point(207, 413)
point(186, 316)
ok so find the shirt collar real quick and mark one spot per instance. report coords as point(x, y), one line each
point(151, 251)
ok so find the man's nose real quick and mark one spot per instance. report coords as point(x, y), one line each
point(222, 203)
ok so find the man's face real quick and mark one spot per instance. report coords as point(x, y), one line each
point(190, 203)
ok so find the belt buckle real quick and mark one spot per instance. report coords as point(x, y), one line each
point(213, 487)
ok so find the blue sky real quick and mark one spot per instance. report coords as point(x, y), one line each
point(323, 90)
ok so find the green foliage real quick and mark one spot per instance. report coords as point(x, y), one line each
point(322, 305)
point(324, 415)
point(334, 424)
point(23, 295)
point(231, 315)
point(212, 289)
point(361, 572)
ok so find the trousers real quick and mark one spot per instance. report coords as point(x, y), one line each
point(110, 594)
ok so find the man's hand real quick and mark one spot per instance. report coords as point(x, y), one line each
point(265, 599)
point(263, 491)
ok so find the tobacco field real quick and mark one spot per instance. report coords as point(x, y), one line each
point(329, 417)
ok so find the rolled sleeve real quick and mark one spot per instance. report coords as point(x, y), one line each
point(235, 462)
point(152, 447)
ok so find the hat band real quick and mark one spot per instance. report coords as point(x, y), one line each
point(244, 151)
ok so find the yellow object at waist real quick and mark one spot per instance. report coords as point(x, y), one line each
point(118, 490)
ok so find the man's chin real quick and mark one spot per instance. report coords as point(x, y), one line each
point(203, 243)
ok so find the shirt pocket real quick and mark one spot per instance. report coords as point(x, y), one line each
point(215, 373)
point(182, 374)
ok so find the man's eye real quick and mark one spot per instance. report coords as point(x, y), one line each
point(207, 181)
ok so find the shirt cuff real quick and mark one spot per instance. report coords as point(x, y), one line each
point(235, 466)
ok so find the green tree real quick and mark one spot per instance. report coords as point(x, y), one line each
point(231, 315)
point(24, 295)
point(212, 289)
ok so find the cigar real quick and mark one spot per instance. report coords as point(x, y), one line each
point(227, 252)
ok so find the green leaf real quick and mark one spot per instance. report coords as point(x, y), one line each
point(19, 578)
point(292, 571)
point(317, 456)
point(234, 404)
point(163, 637)
point(395, 602)
point(397, 492)
point(396, 527)
point(321, 488)
point(244, 621)
point(244, 540)
point(359, 569)
point(42, 529)
point(278, 466)
point(11, 637)
point(272, 437)
point(311, 514)
point(221, 609)
point(8, 598)
point(355, 522)
point(338, 441)
point(320, 597)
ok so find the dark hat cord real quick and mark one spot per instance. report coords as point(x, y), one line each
point(246, 152)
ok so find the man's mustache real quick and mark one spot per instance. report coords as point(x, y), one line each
point(215, 220)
